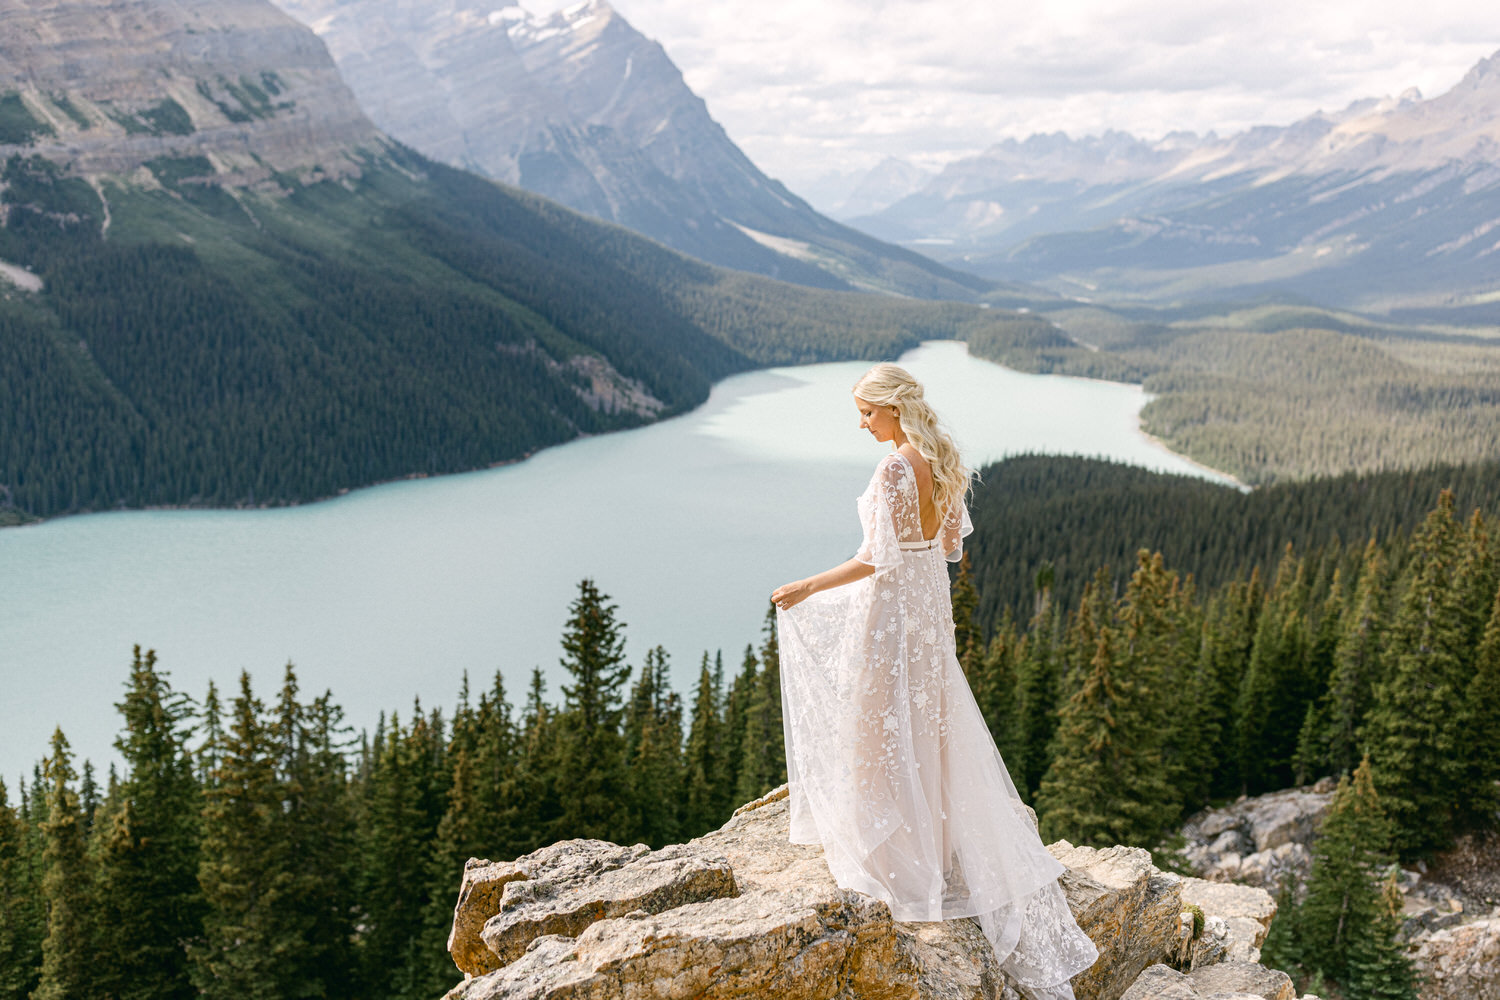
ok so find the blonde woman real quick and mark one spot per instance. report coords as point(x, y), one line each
point(892, 768)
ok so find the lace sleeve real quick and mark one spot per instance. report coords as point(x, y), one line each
point(956, 527)
point(878, 510)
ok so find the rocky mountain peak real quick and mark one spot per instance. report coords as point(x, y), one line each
point(105, 86)
point(1485, 75)
point(582, 108)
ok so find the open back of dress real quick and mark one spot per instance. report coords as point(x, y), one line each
point(892, 768)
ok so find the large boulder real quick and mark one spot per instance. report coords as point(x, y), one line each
point(1226, 981)
point(790, 933)
point(563, 888)
point(1130, 909)
point(1237, 917)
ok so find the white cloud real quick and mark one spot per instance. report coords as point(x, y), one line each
point(807, 87)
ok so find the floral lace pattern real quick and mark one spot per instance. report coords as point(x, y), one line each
point(892, 768)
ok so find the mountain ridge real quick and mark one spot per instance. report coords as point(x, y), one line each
point(1380, 207)
point(582, 108)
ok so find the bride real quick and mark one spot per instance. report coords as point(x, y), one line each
point(891, 766)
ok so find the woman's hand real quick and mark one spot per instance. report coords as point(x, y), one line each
point(791, 594)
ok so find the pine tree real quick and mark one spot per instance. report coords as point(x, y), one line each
point(736, 715)
point(502, 823)
point(1229, 625)
point(1356, 665)
point(967, 641)
point(398, 826)
point(1156, 653)
point(537, 770)
point(243, 948)
point(1350, 857)
point(148, 855)
point(701, 810)
point(1106, 782)
point(653, 730)
point(995, 693)
point(22, 919)
point(1275, 691)
point(211, 750)
point(1414, 729)
point(67, 883)
point(1480, 729)
point(763, 753)
point(1379, 968)
point(1039, 669)
point(1280, 950)
point(591, 748)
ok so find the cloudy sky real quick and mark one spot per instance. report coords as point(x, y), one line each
point(809, 87)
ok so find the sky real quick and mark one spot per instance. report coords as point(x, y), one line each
point(813, 87)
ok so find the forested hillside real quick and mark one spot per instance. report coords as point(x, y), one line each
point(198, 344)
point(1066, 517)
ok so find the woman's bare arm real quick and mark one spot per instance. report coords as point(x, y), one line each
point(791, 594)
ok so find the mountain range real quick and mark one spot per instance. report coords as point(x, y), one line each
point(583, 109)
point(221, 284)
point(1388, 206)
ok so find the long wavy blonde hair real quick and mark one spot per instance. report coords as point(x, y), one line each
point(891, 385)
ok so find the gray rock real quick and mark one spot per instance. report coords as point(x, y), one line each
point(793, 934)
point(1127, 906)
point(1161, 983)
point(1258, 841)
point(1234, 979)
point(1244, 911)
point(1227, 981)
point(563, 888)
point(1461, 963)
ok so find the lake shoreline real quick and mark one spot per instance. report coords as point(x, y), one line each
point(22, 519)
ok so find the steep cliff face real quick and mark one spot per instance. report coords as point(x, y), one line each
point(104, 86)
point(582, 108)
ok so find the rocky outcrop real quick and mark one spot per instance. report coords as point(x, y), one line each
point(1450, 920)
point(110, 85)
point(1258, 841)
point(744, 913)
point(1461, 963)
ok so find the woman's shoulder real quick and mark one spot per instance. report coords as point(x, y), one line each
point(893, 465)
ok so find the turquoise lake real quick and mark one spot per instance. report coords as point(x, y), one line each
point(392, 592)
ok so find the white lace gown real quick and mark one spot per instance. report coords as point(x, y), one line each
point(892, 768)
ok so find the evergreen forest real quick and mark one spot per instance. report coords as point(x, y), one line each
point(197, 345)
point(255, 844)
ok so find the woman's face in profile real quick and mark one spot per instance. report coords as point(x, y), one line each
point(881, 421)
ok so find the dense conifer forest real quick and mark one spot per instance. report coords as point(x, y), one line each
point(225, 348)
point(257, 845)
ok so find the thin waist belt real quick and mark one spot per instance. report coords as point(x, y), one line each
point(930, 543)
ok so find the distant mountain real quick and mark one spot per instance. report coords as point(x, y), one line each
point(108, 85)
point(1386, 206)
point(582, 108)
point(220, 284)
point(886, 183)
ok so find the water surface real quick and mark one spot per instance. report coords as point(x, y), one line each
point(392, 592)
